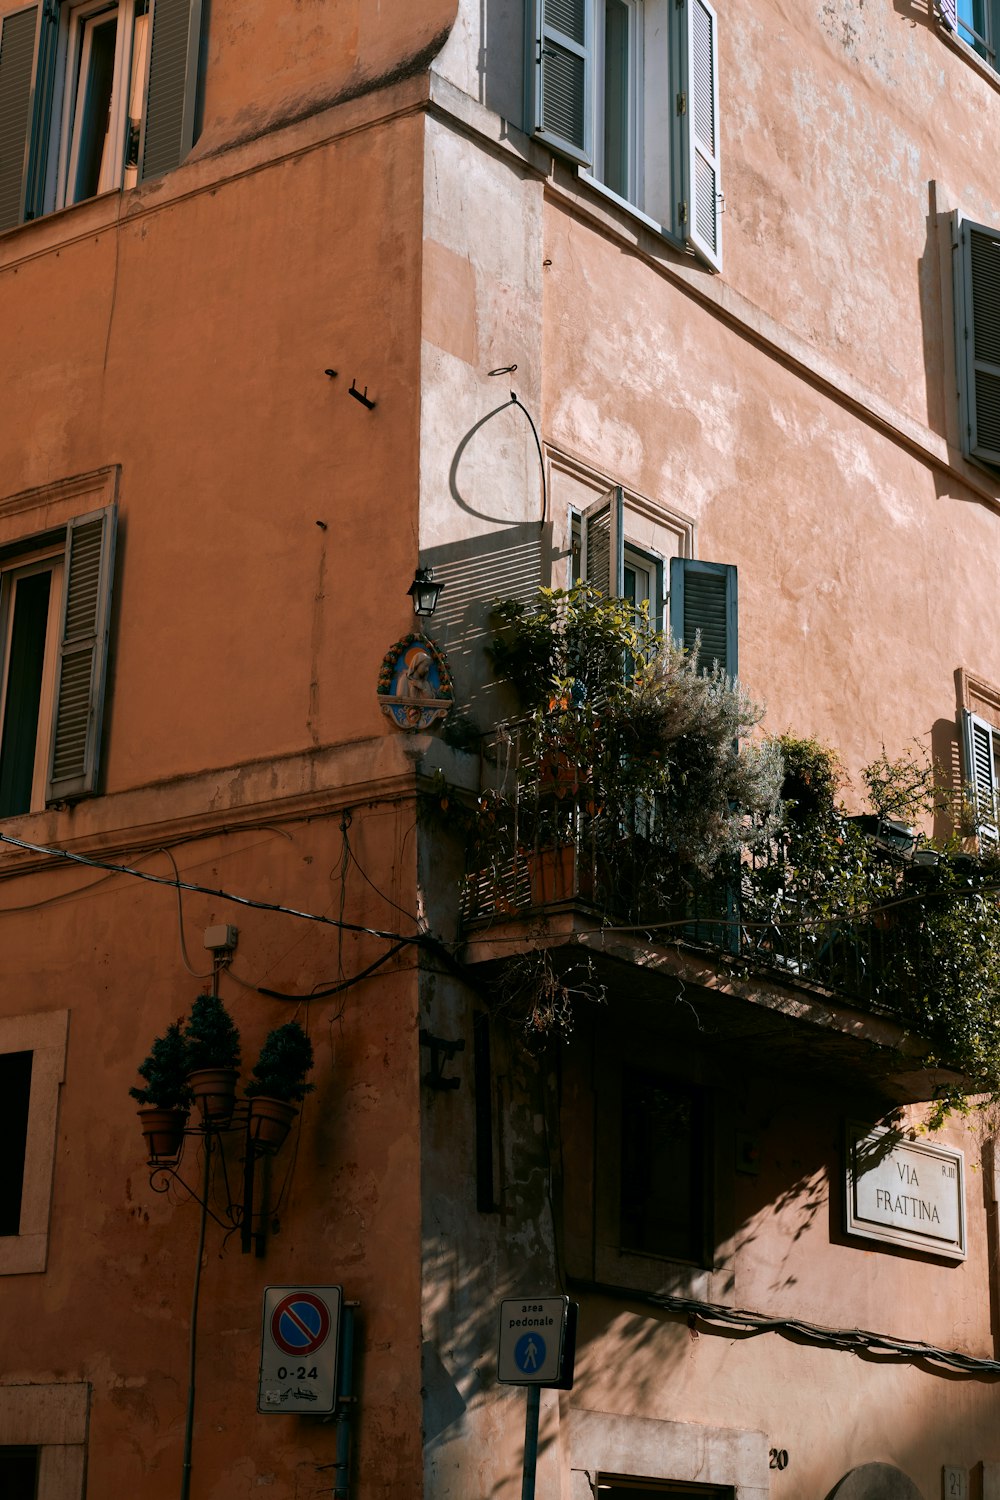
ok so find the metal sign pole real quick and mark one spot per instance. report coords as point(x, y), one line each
point(530, 1442)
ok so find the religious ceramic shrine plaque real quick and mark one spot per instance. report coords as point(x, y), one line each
point(414, 684)
point(905, 1192)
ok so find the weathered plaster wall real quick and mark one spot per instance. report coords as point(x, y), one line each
point(113, 1306)
point(268, 520)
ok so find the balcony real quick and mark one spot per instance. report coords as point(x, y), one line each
point(815, 968)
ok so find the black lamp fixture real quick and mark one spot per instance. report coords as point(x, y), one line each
point(424, 592)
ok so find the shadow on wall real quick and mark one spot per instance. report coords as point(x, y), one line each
point(476, 571)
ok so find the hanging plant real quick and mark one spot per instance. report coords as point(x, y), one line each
point(166, 1096)
point(278, 1083)
point(213, 1043)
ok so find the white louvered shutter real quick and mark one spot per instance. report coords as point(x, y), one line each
point(602, 539)
point(83, 652)
point(981, 776)
point(949, 14)
point(562, 76)
point(698, 130)
point(17, 50)
point(978, 338)
point(704, 606)
point(169, 116)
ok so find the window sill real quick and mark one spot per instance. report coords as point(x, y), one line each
point(633, 212)
point(970, 55)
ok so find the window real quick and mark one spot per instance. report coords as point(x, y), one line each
point(93, 96)
point(15, 1091)
point(18, 1473)
point(628, 89)
point(32, 1068)
point(977, 339)
point(55, 608)
point(981, 764)
point(703, 595)
point(43, 1441)
point(664, 1167)
point(977, 22)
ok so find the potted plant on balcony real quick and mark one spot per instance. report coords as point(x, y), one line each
point(213, 1044)
point(166, 1097)
point(278, 1084)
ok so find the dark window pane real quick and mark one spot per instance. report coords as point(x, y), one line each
point(15, 1089)
point(663, 1167)
point(24, 690)
point(616, 97)
point(609, 1488)
point(18, 1473)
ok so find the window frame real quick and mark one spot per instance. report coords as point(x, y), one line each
point(669, 37)
point(75, 32)
point(45, 1036)
point(52, 1417)
point(76, 518)
point(46, 560)
point(38, 127)
point(976, 308)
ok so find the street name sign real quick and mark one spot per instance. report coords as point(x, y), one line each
point(533, 1346)
point(299, 1345)
point(905, 1192)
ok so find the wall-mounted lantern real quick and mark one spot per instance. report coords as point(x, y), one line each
point(424, 592)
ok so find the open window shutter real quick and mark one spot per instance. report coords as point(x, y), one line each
point(977, 305)
point(83, 652)
point(980, 776)
point(602, 560)
point(17, 51)
point(949, 14)
point(171, 94)
point(703, 603)
point(698, 129)
point(560, 75)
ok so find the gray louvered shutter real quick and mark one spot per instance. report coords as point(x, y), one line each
point(171, 94)
point(981, 776)
point(703, 604)
point(602, 560)
point(977, 306)
point(698, 129)
point(949, 14)
point(83, 653)
point(17, 51)
point(560, 75)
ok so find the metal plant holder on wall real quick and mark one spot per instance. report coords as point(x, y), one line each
point(258, 1146)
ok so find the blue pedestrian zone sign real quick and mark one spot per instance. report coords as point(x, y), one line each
point(537, 1335)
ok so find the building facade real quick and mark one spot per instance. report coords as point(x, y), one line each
point(696, 302)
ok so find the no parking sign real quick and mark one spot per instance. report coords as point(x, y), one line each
point(299, 1347)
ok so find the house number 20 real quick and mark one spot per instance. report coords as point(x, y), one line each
point(778, 1458)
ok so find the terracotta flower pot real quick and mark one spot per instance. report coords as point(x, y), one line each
point(164, 1131)
point(270, 1121)
point(214, 1091)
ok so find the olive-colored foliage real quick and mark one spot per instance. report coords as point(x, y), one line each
point(922, 932)
point(165, 1071)
point(616, 709)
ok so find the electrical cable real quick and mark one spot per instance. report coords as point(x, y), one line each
point(323, 994)
point(205, 890)
point(195, 974)
point(852, 1340)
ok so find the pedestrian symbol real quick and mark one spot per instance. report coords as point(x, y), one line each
point(529, 1352)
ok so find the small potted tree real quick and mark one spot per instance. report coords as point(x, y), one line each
point(278, 1084)
point(213, 1044)
point(166, 1098)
